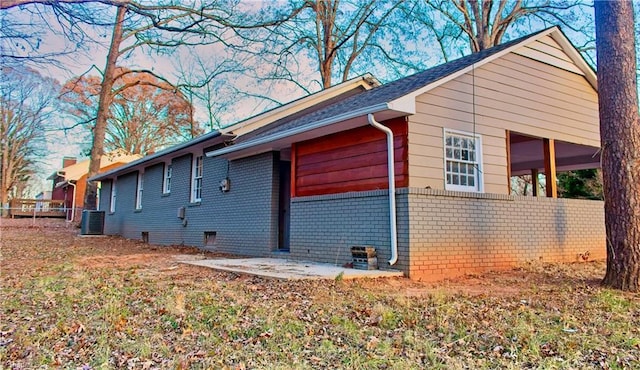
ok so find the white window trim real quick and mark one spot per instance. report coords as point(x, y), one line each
point(112, 201)
point(479, 188)
point(194, 196)
point(98, 196)
point(139, 190)
point(166, 179)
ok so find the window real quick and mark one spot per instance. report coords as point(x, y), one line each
point(462, 157)
point(139, 190)
point(196, 179)
point(99, 197)
point(166, 184)
point(112, 204)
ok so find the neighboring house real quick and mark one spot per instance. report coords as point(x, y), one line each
point(70, 182)
point(309, 180)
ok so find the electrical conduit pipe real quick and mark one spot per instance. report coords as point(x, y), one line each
point(392, 187)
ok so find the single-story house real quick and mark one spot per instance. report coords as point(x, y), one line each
point(310, 179)
point(70, 181)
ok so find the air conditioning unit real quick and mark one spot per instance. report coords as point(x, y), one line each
point(92, 222)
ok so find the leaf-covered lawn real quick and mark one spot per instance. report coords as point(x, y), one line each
point(102, 302)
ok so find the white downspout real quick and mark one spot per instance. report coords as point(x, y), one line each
point(392, 187)
point(73, 201)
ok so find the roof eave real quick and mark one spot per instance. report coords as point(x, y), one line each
point(158, 157)
point(249, 145)
point(573, 53)
point(367, 81)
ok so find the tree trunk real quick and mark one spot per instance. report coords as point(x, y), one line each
point(104, 103)
point(620, 138)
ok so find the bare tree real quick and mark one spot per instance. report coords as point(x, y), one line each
point(485, 23)
point(211, 83)
point(155, 27)
point(28, 28)
point(338, 38)
point(26, 102)
point(620, 136)
point(146, 116)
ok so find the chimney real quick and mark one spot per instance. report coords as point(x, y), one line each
point(68, 161)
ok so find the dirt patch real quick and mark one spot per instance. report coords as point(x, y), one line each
point(62, 241)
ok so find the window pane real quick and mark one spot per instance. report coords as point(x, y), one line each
point(461, 161)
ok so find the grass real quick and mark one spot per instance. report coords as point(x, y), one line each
point(111, 303)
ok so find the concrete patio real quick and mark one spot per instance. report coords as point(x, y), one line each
point(284, 269)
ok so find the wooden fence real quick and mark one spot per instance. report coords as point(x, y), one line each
point(37, 208)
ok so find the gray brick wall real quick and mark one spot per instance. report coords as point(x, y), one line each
point(453, 233)
point(244, 219)
point(449, 233)
point(325, 227)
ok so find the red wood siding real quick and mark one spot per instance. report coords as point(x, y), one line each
point(353, 160)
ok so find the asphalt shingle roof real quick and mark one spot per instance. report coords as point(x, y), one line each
point(393, 90)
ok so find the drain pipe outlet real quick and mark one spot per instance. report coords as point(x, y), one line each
point(392, 188)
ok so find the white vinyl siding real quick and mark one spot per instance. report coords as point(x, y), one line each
point(196, 179)
point(166, 182)
point(139, 189)
point(462, 161)
point(112, 202)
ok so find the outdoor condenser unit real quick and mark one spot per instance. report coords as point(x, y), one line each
point(92, 222)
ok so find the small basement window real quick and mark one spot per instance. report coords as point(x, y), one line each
point(145, 237)
point(209, 238)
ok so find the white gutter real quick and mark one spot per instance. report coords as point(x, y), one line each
point(73, 202)
point(392, 188)
point(298, 130)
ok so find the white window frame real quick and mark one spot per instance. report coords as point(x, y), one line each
point(197, 170)
point(478, 187)
point(139, 190)
point(112, 201)
point(166, 180)
point(98, 196)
